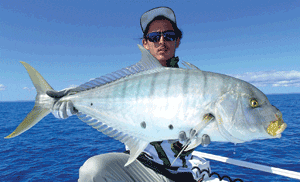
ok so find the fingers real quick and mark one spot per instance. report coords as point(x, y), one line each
point(56, 94)
point(59, 94)
point(63, 110)
point(55, 109)
point(70, 109)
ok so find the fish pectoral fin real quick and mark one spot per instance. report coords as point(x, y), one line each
point(194, 139)
point(136, 147)
point(193, 144)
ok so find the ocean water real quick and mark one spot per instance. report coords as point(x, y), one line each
point(54, 150)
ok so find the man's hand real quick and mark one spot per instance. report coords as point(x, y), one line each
point(62, 109)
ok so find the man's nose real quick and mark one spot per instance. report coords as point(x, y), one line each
point(161, 39)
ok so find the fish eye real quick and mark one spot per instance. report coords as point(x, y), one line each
point(253, 103)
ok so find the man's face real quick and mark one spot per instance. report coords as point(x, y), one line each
point(162, 50)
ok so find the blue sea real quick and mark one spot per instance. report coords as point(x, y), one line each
point(54, 150)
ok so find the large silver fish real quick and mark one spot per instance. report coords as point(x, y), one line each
point(148, 102)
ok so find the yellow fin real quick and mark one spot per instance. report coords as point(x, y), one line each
point(31, 119)
point(43, 103)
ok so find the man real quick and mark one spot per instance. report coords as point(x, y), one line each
point(161, 37)
point(154, 23)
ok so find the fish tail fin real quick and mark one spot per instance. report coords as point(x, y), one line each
point(42, 106)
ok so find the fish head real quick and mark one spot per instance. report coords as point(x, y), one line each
point(245, 114)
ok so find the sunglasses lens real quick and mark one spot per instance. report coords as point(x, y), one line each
point(155, 36)
point(169, 36)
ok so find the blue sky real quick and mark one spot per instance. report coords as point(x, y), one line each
point(70, 42)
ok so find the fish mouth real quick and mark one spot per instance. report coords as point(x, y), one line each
point(276, 127)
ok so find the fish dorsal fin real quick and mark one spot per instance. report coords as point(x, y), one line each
point(189, 65)
point(147, 62)
point(148, 59)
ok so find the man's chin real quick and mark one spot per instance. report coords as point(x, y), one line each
point(163, 57)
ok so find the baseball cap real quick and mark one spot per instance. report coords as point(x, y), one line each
point(148, 16)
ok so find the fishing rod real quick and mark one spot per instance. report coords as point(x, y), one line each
point(268, 169)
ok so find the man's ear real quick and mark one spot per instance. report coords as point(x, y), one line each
point(145, 44)
point(177, 43)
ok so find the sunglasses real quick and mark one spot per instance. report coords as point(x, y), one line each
point(155, 36)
